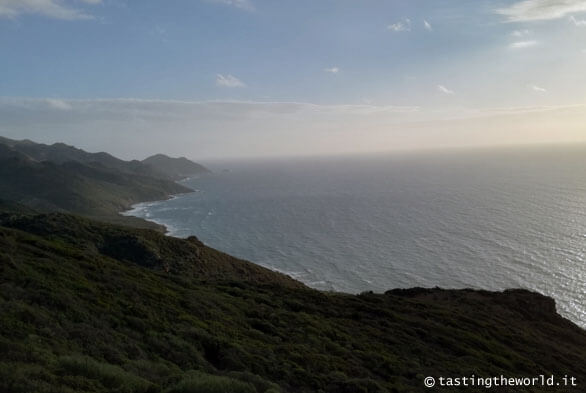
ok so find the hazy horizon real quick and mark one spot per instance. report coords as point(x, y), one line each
point(221, 79)
point(219, 163)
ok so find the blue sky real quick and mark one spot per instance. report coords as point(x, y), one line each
point(267, 71)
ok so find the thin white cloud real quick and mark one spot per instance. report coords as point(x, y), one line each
point(58, 104)
point(50, 8)
point(333, 70)
point(228, 81)
point(131, 128)
point(538, 89)
point(402, 25)
point(427, 25)
point(242, 4)
point(522, 44)
point(187, 107)
point(578, 22)
point(520, 33)
point(444, 90)
point(533, 10)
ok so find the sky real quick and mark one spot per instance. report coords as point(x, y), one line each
point(249, 78)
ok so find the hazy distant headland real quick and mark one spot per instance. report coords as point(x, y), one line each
point(63, 178)
point(91, 303)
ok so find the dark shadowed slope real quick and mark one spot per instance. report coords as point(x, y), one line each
point(60, 153)
point(90, 189)
point(187, 258)
point(91, 307)
point(176, 168)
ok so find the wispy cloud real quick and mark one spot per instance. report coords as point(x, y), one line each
point(520, 33)
point(445, 90)
point(50, 8)
point(242, 4)
point(402, 25)
point(54, 103)
point(522, 44)
point(228, 81)
point(538, 89)
point(198, 128)
point(578, 22)
point(131, 128)
point(333, 70)
point(533, 10)
point(427, 25)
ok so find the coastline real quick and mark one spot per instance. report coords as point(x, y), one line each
point(140, 211)
point(166, 228)
point(553, 310)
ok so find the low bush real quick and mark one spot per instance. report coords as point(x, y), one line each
point(198, 382)
point(110, 376)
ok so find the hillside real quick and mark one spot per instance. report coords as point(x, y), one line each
point(60, 153)
point(175, 168)
point(63, 178)
point(93, 307)
point(94, 191)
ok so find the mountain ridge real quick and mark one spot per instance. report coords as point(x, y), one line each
point(63, 178)
point(60, 153)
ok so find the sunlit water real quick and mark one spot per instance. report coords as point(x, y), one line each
point(481, 219)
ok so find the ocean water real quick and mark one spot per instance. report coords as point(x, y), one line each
point(488, 219)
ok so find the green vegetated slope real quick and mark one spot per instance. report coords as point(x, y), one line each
point(60, 153)
point(63, 178)
point(76, 187)
point(93, 307)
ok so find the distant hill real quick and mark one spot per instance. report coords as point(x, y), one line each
point(99, 189)
point(93, 307)
point(60, 153)
point(176, 168)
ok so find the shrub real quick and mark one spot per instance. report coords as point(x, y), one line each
point(197, 382)
point(110, 376)
point(261, 385)
point(24, 378)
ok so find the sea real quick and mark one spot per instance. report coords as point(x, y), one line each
point(481, 218)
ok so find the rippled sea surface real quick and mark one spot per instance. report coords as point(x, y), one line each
point(490, 219)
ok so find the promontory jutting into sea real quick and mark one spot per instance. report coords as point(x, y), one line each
point(489, 219)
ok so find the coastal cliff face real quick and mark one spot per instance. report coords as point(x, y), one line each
point(94, 307)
